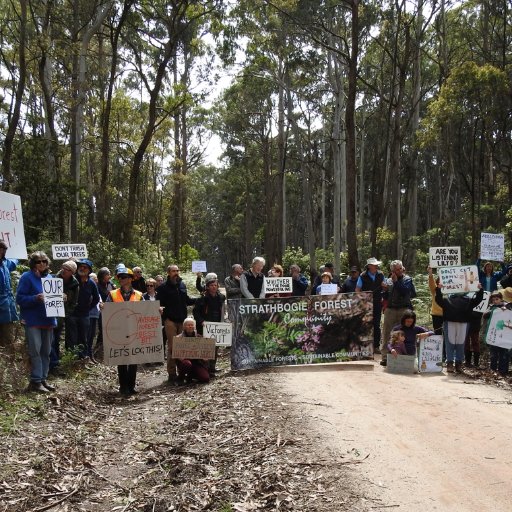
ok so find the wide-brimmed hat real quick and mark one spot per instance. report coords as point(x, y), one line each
point(507, 294)
point(373, 261)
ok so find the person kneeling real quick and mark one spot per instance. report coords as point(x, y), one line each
point(189, 369)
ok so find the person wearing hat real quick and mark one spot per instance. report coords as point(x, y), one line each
point(88, 298)
point(210, 307)
point(371, 280)
point(127, 373)
point(70, 288)
point(8, 313)
point(200, 287)
point(349, 285)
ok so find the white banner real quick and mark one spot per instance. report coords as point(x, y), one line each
point(444, 256)
point(11, 226)
point(53, 290)
point(222, 332)
point(458, 279)
point(68, 251)
point(492, 246)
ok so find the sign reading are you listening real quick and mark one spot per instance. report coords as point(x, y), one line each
point(444, 256)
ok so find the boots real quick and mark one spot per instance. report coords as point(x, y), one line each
point(449, 367)
point(476, 357)
point(458, 367)
point(467, 361)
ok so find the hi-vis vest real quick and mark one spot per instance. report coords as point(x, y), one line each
point(117, 296)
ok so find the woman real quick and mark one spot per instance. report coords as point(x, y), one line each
point(150, 289)
point(189, 369)
point(412, 332)
point(38, 327)
point(105, 286)
point(487, 277)
point(94, 316)
point(276, 271)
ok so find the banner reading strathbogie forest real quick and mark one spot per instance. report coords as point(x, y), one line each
point(301, 330)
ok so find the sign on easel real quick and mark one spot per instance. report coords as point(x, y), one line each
point(11, 226)
point(430, 355)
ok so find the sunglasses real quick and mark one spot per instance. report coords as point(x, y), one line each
point(150, 286)
point(40, 261)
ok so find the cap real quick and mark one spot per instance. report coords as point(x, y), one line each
point(121, 270)
point(354, 268)
point(69, 265)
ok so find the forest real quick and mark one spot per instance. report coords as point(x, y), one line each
point(345, 128)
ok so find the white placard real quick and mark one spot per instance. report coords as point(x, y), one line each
point(53, 290)
point(484, 304)
point(444, 256)
point(132, 332)
point(492, 246)
point(458, 279)
point(499, 328)
point(328, 289)
point(277, 285)
point(222, 332)
point(68, 251)
point(11, 226)
point(430, 354)
point(199, 266)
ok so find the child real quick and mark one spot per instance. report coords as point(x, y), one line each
point(396, 345)
point(499, 360)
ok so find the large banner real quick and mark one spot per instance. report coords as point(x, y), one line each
point(11, 226)
point(301, 330)
point(499, 328)
point(132, 333)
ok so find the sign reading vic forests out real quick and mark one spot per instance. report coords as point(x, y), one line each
point(301, 330)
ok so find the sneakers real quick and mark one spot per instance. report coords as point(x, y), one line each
point(37, 387)
point(449, 367)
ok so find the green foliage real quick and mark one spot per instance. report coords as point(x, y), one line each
point(296, 255)
point(187, 255)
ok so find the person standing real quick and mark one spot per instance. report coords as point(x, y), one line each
point(139, 283)
point(350, 284)
point(8, 313)
point(232, 282)
point(127, 373)
point(251, 281)
point(487, 277)
point(299, 281)
point(174, 300)
point(38, 327)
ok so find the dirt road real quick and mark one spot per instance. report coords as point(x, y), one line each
point(435, 441)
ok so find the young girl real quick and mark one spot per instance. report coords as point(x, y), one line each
point(396, 345)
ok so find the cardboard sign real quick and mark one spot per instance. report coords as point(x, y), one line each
point(444, 256)
point(277, 285)
point(221, 332)
point(328, 289)
point(11, 226)
point(484, 304)
point(68, 251)
point(199, 266)
point(402, 364)
point(458, 279)
point(492, 246)
point(430, 355)
point(132, 333)
point(193, 348)
point(499, 329)
point(53, 290)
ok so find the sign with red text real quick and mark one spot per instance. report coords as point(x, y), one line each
point(444, 256)
point(132, 333)
point(68, 251)
point(53, 290)
point(11, 226)
point(492, 246)
point(193, 348)
point(458, 279)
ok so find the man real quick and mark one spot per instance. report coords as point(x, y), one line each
point(70, 285)
point(174, 300)
point(349, 285)
point(299, 282)
point(372, 280)
point(399, 289)
point(8, 313)
point(127, 373)
point(232, 282)
point(88, 298)
point(251, 281)
point(139, 283)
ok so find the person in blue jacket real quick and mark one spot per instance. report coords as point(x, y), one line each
point(487, 277)
point(8, 313)
point(38, 327)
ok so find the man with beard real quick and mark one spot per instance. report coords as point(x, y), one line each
point(174, 300)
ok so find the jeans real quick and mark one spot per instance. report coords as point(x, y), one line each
point(499, 359)
point(78, 330)
point(39, 343)
point(93, 323)
point(455, 336)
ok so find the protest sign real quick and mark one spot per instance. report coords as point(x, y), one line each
point(328, 289)
point(222, 332)
point(199, 266)
point(401, 364)
point(492, 246)
point(458, 279)
point(193, 348)
point(444, 256)
point(277, 285)
point(301, 330)
point(68, 251)
point(430, 354)
point(132, 333)
point(499, 328)
point(53, 290)
point(484, 304)
point(11, 226)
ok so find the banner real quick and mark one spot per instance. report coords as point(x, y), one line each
point(277, 285)
point(222, 332)
point(11, 226)
point(458, 279)
point(430, 354)
point(492, 246)
point(499, 328)
point(68, 251)
point(301, 330)
point(192, 348)
point(53, 290)
point(132, 333)
point(444, 256)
